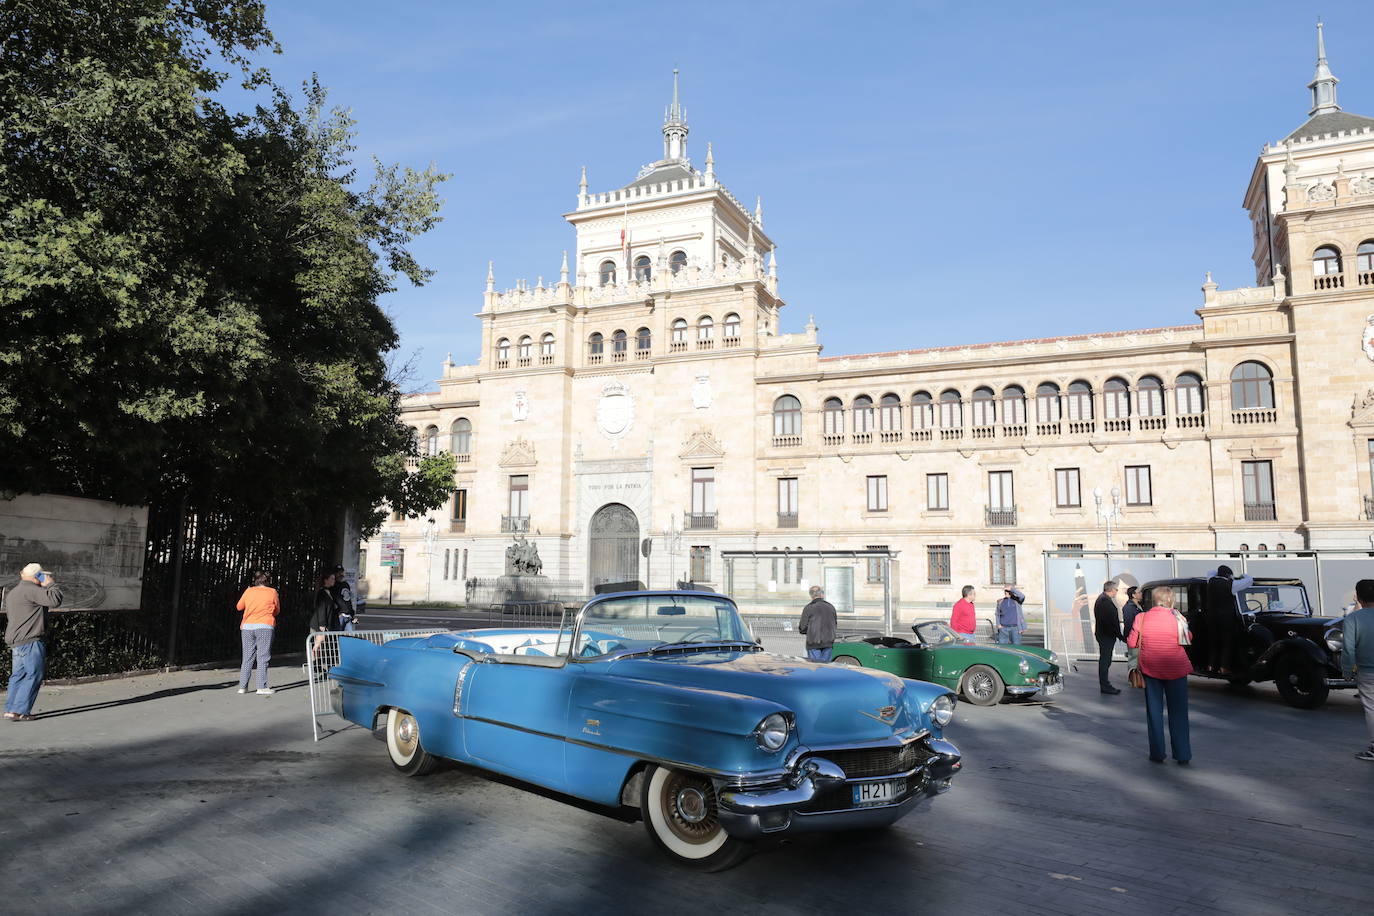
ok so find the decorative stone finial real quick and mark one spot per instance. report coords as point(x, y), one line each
point(563, 271)
point(758, 211)
point(491, 277)
point(773, 263)
point(1323, 84)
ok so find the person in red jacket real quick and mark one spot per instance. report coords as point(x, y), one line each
point(964, 620)
point(1161, 634)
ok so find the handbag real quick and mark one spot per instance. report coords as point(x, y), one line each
point(1183, 639)
point(1135, 678)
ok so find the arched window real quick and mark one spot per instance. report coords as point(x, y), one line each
point(1326, 261)
point(951, 409)
point(984, 407)
point(526, 347)
point(1116, 399)
point(1013, 406)
point(1149, 397)
point(546, 344)
point(643, 268)
point(705, 325)
point(1188, 395)
point(890, 413)
point(863, 414)
point(922, 410)
point(460, 436)
point(503, 349)
point(680, 331)
point(596, 344)
point(643, 339)
point(1080, 401)
point(607, 273)
point(787, 416)
point(732, 325)
point(431, 440)
point(620, 342)
point(1252, 386)
point(677, 260)
point(1364, 256)
point(834, 417)
point(1047, 405)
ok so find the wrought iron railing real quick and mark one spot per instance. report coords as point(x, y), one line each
point(700, 521)
point(511, 524)
point(1260, 512)
point(1000, 516)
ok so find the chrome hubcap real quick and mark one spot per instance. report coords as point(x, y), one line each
point(405, 732)
point(691, 805)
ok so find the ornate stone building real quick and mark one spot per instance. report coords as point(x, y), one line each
point(652, 389)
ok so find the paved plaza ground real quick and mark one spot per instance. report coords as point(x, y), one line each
point(173, 794)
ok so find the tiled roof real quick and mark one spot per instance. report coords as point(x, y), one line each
point(1329, 123)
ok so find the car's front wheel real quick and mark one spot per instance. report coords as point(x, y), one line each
point(847, 661)
point(983, 686)
point(1300, 682)
point(681, 814)
point(403, 744)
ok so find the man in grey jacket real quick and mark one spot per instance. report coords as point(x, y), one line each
point(818, 623)
point(27, 607)
point(1357, 655)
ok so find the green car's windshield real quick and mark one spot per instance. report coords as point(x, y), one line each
point(936, 633)
point(645, 622)
point(1275, 599)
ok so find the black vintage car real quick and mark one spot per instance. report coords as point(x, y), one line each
point(1277, 638)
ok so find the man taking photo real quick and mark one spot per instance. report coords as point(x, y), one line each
point(27, 606)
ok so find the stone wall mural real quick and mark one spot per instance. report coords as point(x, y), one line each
point(94, 549)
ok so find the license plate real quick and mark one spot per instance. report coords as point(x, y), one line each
point(878, 793)
point(1052, 689)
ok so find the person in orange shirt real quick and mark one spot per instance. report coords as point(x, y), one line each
point(260, 606)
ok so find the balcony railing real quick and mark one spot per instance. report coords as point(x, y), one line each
point(1260, 512)
point(1082, 426)
point(999, 517)
point(700, 521)
point(833, 438)
point(594, 358)
point(984, 432)
point(1251, 415)
point(619, 356)
point(1330, 281)
point(787, 519)
point(890, 435)
point(458, 525)
point(922, 435)
point(546, 360)
point(787, 441)
point(1014, 431)
point(1369, 507)
point(1366, 277)
point(1047, 429)
point(523, 362)
point(706, 344)
point(677, 346)
point(955, 433)
point(731, 341)
point(462, 458)
point(511, 524)
point(1148, 423)
point(1190, 420)
point(503, 364)
point(1117, 425)
point(643, 353)
point(863, 438)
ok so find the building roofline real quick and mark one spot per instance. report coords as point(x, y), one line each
point(1012, 343)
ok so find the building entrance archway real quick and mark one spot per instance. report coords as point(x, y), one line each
point(614, 538)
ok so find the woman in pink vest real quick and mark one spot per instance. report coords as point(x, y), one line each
point(1160, 634)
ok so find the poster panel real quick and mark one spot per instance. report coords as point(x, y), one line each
point(94, 549)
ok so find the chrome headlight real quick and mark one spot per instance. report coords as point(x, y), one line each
point(1024, 667)
point(1054, 658)
point(772, 732)
point(1334, 640)
point(942, 710)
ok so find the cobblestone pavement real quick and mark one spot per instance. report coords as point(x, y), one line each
point(173, 794)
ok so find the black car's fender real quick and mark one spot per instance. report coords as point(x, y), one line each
point(1263, 668)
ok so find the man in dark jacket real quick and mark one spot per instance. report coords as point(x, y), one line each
point(818, 623)
point(1011, 622)
point(1107, 627)
point(27, 606)
point(343, 597)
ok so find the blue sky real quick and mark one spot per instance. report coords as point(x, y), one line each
point(933, 173)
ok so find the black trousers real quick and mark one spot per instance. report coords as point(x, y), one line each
point(1104, 659)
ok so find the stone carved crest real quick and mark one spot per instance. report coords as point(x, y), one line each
point(1362, 185)
point(701, 391)
point(1320, 191)
point(520, 406)
point(517, 452)
point(702, 444)
point(615, 412)
point(1367, 339)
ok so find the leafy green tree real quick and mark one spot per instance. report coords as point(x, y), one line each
point(189, 295)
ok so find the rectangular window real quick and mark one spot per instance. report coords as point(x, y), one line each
point(703, 491)
point(1257, 480)
point(1138, 492)
point(1002, 564)
point(1000, 494)
point(460, 506)
point(397, 515)
point(787, 502)
point(937, 564)
point(1069, 548)
point(701, 564)
point(937, 492)
point(875, 564)
point(520, 496)
point(399, 570)
point(877, 494)
point(1067, 493)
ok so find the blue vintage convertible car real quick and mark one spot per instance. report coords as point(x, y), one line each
point(660, 701)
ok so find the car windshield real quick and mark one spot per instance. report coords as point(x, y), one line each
point(1275, 599)
point(936, 633)
point(643, 623)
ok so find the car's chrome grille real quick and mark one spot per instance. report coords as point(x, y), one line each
point(859, 763)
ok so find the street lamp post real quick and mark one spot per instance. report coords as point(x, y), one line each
point(431, 535)
point(1107, 516)
point(672, 541)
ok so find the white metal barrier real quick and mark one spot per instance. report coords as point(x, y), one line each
point(322, 653)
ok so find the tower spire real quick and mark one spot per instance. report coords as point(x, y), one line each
point(1323, 84)
point(675, 127)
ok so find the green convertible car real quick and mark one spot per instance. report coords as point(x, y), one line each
point(984, 674)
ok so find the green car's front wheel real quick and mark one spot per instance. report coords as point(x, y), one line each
point(982, 686)
point(847, 661)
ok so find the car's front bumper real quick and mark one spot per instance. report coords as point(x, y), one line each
point(816, 797)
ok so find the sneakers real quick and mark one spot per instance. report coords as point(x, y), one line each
point(243, 690)
point(1110, 689)
point(1366, 754)
point(265, 691)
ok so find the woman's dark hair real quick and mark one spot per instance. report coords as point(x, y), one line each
point(319, 580)
point(1130, 592)
point(262, 578)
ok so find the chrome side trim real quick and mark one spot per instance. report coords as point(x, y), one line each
point(463, 673)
